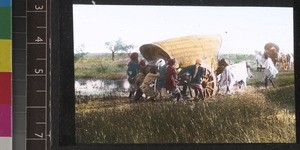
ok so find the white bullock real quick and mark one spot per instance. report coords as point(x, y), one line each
point(235, 74)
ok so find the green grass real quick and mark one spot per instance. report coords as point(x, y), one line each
point(100, 67)
point(284, 78)
point(255, 116)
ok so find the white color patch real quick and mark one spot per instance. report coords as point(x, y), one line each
point(6, 143)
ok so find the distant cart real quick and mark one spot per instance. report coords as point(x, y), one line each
point(185, 50)
point(272, 50)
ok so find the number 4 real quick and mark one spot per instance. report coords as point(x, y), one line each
point(38, 39)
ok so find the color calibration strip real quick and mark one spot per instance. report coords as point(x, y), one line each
point(5, 75)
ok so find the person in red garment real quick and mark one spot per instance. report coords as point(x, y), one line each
point(171, 77)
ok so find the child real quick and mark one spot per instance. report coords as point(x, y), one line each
point(139, 80)
point(147, 86)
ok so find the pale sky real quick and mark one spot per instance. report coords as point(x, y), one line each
point(243, 29)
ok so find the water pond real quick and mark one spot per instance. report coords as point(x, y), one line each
point(100, 86)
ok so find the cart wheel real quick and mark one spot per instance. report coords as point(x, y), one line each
point(209, 85)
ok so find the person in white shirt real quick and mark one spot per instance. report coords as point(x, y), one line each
point(270, 70)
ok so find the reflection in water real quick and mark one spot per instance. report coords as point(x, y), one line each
point(98, 87)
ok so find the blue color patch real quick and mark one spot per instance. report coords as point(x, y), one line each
point(5, 3)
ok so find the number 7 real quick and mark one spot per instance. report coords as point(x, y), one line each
point(40, 136)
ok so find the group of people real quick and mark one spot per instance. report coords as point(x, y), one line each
point(160, 81)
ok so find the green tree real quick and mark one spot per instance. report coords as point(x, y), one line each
point(118, 46)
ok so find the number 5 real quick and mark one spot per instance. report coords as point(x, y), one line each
point(38, 71)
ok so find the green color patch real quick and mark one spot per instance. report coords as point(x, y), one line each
point(5, 23)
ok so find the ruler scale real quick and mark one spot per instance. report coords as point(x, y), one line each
point(37, 108)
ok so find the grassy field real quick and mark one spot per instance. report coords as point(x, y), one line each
point(99, 66)
point(256, 115)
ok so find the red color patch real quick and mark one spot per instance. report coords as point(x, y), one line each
point(5, 87)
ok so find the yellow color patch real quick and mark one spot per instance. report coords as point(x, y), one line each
point(5, 56)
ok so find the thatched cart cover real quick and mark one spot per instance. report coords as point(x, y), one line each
point(272, 50)
point(184, 49)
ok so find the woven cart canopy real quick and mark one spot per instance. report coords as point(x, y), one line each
point(184, 49)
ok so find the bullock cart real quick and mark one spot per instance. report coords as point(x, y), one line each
point(272, 50)
point(281, 60)
point(185, 50)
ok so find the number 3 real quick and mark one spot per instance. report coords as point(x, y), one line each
point(38, 7)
